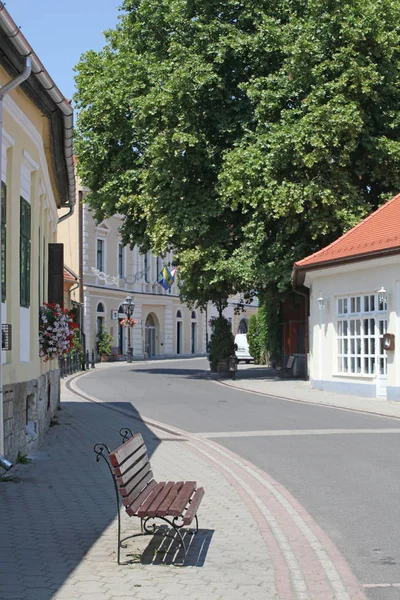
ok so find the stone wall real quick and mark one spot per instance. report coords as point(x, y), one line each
point(29, 408)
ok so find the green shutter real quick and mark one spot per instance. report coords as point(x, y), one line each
point(3, 240)
point(25, 253)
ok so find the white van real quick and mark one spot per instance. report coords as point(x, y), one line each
point(242, 352)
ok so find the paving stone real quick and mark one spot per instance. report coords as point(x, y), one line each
point(227, 560)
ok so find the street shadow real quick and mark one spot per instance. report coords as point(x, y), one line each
point(185, 373)
point(265, 373)
point(60, 506)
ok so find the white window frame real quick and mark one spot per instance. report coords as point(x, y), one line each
point(358, 342)
point(103, 241)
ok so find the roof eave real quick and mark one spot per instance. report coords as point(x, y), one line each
point(42, 90)
point(299, 272)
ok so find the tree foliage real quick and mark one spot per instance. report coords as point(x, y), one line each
point(243, 134)
point(222, 342)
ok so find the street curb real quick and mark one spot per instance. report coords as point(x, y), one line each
point(310, 402)
point(276, 513)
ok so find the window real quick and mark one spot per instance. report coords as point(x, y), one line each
point(146, 267)
point(25, 253)
point(243, 326)
point(3, 240)
point(121, 257)
point(100, 255)
point(358, 334)
point(100, 317)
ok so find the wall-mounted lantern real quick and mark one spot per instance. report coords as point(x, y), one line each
point(388, 341)
point(382, 297)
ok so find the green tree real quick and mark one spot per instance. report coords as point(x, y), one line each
point(222, 342)
point(104, 341)
point(261, 130)
point(253, 338)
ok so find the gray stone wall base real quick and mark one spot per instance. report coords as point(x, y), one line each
point(29, 408)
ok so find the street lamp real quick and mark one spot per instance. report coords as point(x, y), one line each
point(128, 306)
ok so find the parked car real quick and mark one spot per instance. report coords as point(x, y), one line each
point(242, 348)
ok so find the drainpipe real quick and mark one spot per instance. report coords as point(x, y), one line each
point(6, 89)
point(67, 214)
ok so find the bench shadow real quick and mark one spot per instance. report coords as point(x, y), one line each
point(162, 550)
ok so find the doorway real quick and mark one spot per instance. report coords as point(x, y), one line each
point(179, 328)
point(150, 336)
point(381, 371)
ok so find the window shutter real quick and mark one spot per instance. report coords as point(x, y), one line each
point(56, 274)
point(3, 240)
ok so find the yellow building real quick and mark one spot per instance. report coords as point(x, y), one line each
point(37, 180)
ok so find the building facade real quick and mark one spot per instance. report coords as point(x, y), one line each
point(354, 316)
point(37, 180)
point(109, 272)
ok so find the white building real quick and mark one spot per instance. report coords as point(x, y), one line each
point(108, 272)
point(354, 315)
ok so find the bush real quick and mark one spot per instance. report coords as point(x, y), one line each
point(104, 341)
point(254, 339)
point(222, 342)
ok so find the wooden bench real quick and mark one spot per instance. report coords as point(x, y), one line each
point(175, 503)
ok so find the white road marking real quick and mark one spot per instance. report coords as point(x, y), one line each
point(381, 585)
point(283, 432)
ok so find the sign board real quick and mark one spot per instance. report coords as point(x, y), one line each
point(114, 315)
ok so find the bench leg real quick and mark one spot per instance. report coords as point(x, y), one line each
point(152, 529)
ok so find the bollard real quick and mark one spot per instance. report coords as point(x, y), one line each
point(93, 365)
point(87, 359)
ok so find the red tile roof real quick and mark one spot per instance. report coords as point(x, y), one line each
point(378, 233)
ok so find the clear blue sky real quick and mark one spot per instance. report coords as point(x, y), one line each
point(59, 32)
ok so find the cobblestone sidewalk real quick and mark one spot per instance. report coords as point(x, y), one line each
point(58, 523)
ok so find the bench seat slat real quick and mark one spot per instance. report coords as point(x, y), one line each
point(177, 507)
point(163, 509)
point(152, 510)
point(142, 512)
point(132, 508)
point(125, 450)
point(137, 484)
point(194, 505)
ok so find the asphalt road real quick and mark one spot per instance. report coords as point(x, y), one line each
point(349, 481)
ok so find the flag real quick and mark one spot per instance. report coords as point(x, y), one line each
point(173, 273)
point(166, 278)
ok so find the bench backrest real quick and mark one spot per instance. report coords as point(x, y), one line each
point(132, 469)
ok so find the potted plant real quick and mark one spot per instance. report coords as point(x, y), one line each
point(104, 344)
point(56, 331)
point(221, 346)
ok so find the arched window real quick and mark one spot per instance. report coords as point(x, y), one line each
point(194, 315)
point(150, 321)
point(179, 315)
point(100, 317)
point(243, 326)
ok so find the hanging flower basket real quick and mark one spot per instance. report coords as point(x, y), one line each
point(56, 331)
point(128, 322)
